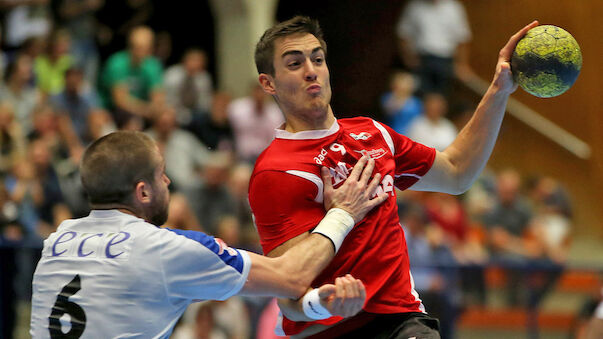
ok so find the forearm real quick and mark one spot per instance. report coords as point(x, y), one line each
point(289, 275)
point(470, 151)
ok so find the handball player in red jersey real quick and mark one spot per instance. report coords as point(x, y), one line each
point(286, 188)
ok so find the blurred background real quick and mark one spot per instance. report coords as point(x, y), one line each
point(518, 255)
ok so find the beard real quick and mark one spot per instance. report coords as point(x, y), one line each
point(159, 211)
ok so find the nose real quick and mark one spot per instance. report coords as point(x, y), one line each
point(167, 180)
point(309, 71)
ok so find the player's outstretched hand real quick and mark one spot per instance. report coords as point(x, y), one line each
point(503, 79)
point(356, 194)
point(345, 299)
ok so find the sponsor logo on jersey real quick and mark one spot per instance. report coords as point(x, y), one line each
point(374, 153)
point(224, 247)
point(361, 136)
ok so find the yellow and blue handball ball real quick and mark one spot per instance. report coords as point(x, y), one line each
point(546, 61)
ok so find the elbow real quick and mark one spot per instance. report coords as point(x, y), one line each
point(294, 280)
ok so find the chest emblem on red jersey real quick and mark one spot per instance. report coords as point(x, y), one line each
point(361, 136)
point(374, 153)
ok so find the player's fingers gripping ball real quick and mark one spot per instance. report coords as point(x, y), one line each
point(546, 61)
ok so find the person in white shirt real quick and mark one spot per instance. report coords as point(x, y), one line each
point(115, 273)
point(434, 37)
point(432, 128)
point(253, 120)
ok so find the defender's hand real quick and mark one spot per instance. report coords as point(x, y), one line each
point(355, 195)
point(345, 299)
point(503, 78)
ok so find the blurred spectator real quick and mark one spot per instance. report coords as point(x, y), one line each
point(180, 214)
point(507, 223)
point(213, 201)
point(434, 37)
point(184, 154)
point(99, 124)
point(433, 268)
point(117, 19)
point(551, 224)
point(75, 103)
point(3, 57)
point(253, 120)
point(131, 80)
point(56, 134)
point(198, 322)
point(18, 92)
point(594, 329)
point(238, 186)
point(24, 19)
point(12, 140)
point(78, 17)
point(50, 67)
point(163, 47)
point(399, 104)
point(188, 87)
point(432, 128)
point(10, 235)
point(214, 129)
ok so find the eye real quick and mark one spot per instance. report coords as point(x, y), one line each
point(293, 64)
point(319, 60)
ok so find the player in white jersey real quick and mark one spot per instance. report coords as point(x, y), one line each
point(115, 274)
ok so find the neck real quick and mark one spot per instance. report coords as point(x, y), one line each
point(316, 121)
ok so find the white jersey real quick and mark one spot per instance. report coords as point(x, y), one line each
point(113, 275)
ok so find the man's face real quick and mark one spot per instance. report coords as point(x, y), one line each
point(158, 209)
point(301, 80)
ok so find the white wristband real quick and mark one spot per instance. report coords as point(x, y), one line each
point(312, 307)
point(336, 224)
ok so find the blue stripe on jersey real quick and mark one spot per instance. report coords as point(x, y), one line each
point(230, 256)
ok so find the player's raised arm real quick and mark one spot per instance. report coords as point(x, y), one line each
point(290, 274)
point(458, 166)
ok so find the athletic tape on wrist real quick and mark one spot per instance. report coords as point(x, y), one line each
point(312, 307)
point(336, 224)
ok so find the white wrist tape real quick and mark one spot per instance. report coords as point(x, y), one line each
point(312, 307)
point(336, 224)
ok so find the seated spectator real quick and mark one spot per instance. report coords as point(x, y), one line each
point(130, 83)
point(78, 17)
point(50, 67)
point(399, 104)
point(432, 128)
point(214, 129)
point(199, 322)
point(17, 91)
point(189, 87)
point(75, 103)
point(12, 140)
point(432, 266)
point(184, 154)
point(213, 201)
point(58, 136)
point(253, 120)
point(180, 214)
point(100, 123)
point(507, 223)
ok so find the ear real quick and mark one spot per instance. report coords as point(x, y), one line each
point(143, 193)
point(267, 83)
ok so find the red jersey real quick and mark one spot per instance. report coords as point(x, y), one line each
point(285, 194)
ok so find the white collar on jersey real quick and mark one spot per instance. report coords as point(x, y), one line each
point(111, 213)
point(280, 133)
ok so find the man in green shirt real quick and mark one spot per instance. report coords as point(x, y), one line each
point(131, 81)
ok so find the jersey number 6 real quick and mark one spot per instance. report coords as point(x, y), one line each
point(64, 306)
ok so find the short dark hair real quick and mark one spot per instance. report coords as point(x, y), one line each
point(264, 50)
point(113, 165)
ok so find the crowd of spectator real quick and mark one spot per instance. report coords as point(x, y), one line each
point(58, 93)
